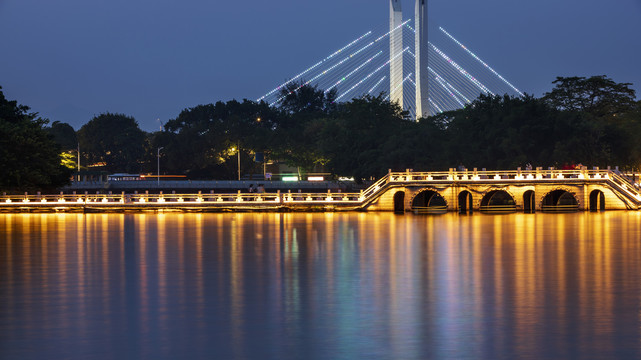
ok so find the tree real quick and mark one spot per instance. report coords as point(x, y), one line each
point(354, 140)
point(304, 99)
point(305, 108)
point(507, 132)
point(64, 135)
point(606, 118)
point(597, 95)
point(204, 141)
point(114, 141)
point(29, 158)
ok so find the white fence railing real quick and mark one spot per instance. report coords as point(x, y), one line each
point(620, 183)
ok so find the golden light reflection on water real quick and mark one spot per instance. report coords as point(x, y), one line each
point(519, 284)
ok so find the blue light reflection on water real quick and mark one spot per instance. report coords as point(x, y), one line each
point(320, 286)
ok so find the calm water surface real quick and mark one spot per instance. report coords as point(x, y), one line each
point(320, 286)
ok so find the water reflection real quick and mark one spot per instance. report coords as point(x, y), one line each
point(319, 286)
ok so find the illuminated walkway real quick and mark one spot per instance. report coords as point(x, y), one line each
point(419, 192)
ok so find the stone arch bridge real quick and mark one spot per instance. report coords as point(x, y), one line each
point(505, 191)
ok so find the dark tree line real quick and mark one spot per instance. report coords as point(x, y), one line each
point(30, 159)
point(593, 121)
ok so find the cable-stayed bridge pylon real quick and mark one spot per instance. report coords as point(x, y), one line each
point(424, 77)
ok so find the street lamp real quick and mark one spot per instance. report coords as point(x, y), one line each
point(238, 161)
point(160, 148)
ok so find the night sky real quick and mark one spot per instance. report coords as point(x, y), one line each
point(72, 59)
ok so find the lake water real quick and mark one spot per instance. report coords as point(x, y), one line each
point(320, 286)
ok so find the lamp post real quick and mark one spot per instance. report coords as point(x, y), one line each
point(158, 179)
point(238, 147)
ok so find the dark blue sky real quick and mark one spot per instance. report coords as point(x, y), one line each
point(72, 59)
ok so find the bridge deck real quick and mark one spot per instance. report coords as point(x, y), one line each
point(371, 198)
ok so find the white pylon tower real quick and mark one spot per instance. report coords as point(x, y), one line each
point(396, 47)
point(421, 46)
point(396, 62)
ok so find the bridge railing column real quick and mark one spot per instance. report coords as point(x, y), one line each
point(583, 173)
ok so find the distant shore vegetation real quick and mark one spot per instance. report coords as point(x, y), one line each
point(593, 121)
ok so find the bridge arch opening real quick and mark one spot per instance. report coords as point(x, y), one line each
point(559, 201)
point(498, 201)
point(529, 202)
point(429, 202)
point(597, 200)
point(399, 202)
point(465, 202)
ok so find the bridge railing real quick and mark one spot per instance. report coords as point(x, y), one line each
point(623, 185)
point(177, 199)
point(375, 187)
point(626, 187)
point(538, 175)
point(500, 175)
